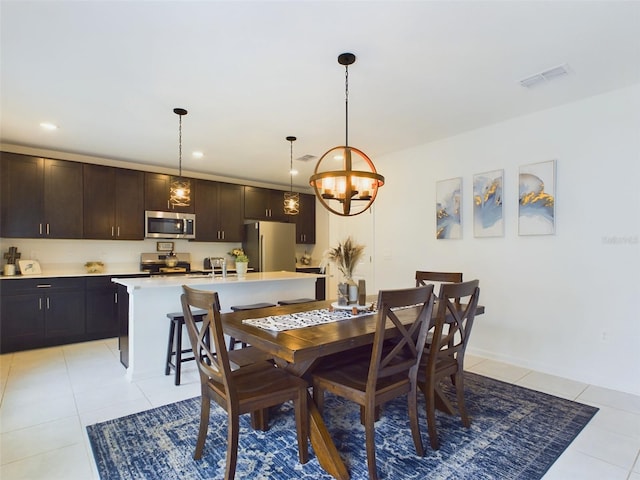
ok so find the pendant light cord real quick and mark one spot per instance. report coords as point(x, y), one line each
point(291, 167)
point(180, 148)
point(346, 105)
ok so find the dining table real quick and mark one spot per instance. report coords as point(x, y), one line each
point(299, 350)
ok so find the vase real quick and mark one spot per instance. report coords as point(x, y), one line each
point(241, 268)
point(343, 294)
point(351, 290)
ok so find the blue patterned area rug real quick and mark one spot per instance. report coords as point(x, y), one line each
point(515, 433)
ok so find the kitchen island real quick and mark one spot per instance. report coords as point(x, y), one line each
point(145, 332)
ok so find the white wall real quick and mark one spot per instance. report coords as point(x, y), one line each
point(565, 304)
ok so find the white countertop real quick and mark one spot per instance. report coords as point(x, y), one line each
point(179, 280)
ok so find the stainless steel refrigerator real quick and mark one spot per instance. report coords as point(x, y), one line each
point(270, 246)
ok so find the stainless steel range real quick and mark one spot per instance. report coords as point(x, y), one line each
point(156, 263)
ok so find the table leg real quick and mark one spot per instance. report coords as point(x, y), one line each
point(323, 445)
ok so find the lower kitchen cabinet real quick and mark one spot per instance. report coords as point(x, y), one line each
point(41, 312)
point(101, 308)
point(52, 311)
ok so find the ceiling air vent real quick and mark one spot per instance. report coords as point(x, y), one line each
point(306, 158)
point(546, 76)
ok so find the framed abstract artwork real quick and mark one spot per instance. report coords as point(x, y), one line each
point(488, 217)
point(537, 198)
point(448, 208)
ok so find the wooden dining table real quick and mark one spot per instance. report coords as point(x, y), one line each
point(299, 350)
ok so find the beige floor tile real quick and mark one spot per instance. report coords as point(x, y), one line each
point(608, 446)
point(68, 463)
point(558, 386)
point(499, 370)
point(19, 444)
point(111, 394)
point(37, 410)
point(120, 409)
point(576, 465)
point(618, 421)
point(611, 398)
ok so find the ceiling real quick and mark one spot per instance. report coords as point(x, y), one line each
point(109, 73)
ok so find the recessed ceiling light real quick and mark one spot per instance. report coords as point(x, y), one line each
point(48, 126)
point(198, 154)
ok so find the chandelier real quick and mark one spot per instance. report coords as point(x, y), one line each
point(291, 198)
point(180, 190)
point(350, 188)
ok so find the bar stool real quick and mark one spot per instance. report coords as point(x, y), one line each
point(238, 308)
point(295, 301)
point(174, 347)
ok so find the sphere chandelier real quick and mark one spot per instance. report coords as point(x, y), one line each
point(351, 188)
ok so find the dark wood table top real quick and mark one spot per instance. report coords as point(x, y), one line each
point(308, 343)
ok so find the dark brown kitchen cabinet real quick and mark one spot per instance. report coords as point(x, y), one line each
point(101, 308)
point(264, 204)
point(219, 211)
point(41, 197)
point(156, 194)
point(306, 220)
point(41, 312)
point(113, 203)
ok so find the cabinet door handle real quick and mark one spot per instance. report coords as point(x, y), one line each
point(222, 234)
point(43, 285)
point(40, 229)
point(118, 232)
point(115, 297)
point(112, 230)
point(48, 303)
point(47, 229)
point(40, 303)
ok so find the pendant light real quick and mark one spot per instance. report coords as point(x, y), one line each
point(291, 198)
point(350, 188)
point(180, 191)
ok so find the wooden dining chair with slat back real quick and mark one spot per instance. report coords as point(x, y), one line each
point(445, 351)
point(250, 388)
point(389, 372)
point(424, 277)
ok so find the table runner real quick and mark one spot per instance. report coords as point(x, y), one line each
point(279, 323)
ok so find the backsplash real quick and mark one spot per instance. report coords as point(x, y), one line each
point(58, 253)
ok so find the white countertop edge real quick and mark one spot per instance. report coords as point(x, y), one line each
point(174, 281)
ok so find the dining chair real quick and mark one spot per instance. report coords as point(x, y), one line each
point(386, 373)
point(251, 388)
point(422, 277)
point(445, 350)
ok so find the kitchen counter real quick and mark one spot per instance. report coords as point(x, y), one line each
point(151, 299)
point(65, 270)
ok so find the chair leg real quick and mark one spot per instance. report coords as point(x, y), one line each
point(413, 418)
point(172, 328)
point(178, 351)
point(204, 426)
point(233, 431)
point(302, 425)
point(370, 440)
point(460, 395)
point(429, 393)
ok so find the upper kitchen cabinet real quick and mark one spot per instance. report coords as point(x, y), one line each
point(219, 211)
point(264, 204)
point(41, 197)
point(113, 203)
point(306, 220)
point(156, 194)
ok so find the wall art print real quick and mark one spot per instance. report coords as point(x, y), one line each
point(537, 198)
point(448, 208)
point(488, 217)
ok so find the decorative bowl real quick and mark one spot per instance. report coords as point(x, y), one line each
point(94, 267)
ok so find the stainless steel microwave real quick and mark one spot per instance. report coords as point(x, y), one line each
point(169, 225)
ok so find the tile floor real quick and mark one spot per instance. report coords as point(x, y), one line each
point(50, 395)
